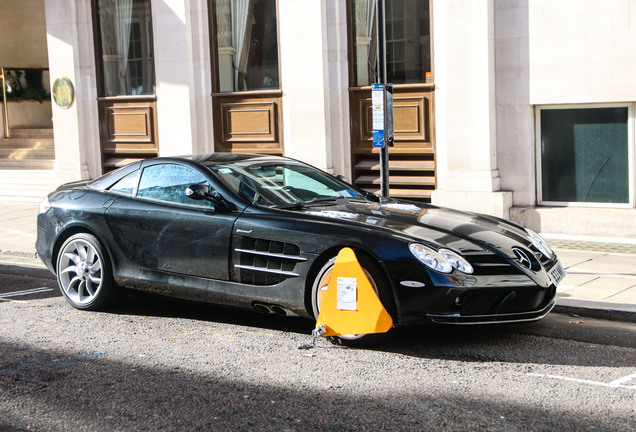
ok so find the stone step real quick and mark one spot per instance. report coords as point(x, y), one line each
point(27, 153)
point(32, 133)
point(26, 164)
point(27, 143)
point(25, 185)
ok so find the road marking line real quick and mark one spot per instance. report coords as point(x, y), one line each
point(26, 292)
point(625, 379)
point(23, 264)
point(614, 384)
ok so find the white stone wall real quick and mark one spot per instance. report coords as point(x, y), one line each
point(519, 53)
point(25, 48)
point(582, 51)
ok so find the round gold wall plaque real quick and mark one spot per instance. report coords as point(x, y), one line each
point(63, 92)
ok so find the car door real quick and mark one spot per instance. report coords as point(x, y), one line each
point(162, 229)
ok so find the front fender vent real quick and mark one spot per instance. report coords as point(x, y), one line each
point(265, 262)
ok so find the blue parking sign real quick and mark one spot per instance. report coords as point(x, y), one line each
point(378, 138)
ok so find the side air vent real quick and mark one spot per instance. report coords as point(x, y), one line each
point(265, 262)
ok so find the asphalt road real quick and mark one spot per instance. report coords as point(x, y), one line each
point(164, 365)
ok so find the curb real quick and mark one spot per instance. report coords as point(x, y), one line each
point(596, 309)
point(8, 253)
point(22, 270)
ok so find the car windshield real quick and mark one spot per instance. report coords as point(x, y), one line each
point(282, 184)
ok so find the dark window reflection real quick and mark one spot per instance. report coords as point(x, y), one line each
point(584, 155)
point(126, 47)
point(408, 41)
point(246, 44)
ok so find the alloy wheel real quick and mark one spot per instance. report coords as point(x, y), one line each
point(80, 272)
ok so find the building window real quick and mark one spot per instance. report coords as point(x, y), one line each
point(408, 41)
point(125, 33)
point(585, 155)
point(246, 45)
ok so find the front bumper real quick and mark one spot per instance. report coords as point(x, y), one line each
point(471, 299)
point(496, 318)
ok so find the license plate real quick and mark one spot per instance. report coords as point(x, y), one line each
point(556, 273)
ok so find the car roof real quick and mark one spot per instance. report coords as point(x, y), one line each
point(224, 158)
point(206, 159)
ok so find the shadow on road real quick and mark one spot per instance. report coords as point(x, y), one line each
point(62, 391)
point(539, 342)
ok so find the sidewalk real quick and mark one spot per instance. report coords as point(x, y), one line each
point(601, 280)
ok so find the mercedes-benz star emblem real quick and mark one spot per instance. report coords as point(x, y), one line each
point(523, 258)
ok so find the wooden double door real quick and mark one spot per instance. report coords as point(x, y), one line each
point(412, 158)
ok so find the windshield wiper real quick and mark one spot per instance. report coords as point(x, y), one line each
point(323, 200)
point(295, 205)
point(318, 201)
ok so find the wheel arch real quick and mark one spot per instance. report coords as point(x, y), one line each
point(71, 231)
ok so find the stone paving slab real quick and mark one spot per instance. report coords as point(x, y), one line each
point(617, 265)
point(601, 289)
point(625, 297)
point(18, 228)
point(575, 280)
point(571, 258)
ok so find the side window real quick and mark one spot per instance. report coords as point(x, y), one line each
point(168, 182)
point(127, 184)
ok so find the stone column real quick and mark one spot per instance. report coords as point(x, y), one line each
point(69, 29)
point(314, 81)
point(465, 108)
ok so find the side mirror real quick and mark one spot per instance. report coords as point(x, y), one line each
point(200, 192)
point(197, 192)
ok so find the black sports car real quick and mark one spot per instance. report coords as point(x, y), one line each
point(262, 232)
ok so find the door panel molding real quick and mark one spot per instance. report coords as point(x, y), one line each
point(248, 123)
point(127, 130)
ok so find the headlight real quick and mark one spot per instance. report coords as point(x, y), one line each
point(540, 244)
point(456, 261)
point(443, 261)
point(45, 206)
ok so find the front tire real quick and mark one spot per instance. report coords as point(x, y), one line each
point(319, 290)
point(84, 273)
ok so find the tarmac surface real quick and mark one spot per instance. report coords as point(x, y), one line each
point(600, 281)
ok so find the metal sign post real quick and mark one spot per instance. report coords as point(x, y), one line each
point(382, 93)
point(5, 103)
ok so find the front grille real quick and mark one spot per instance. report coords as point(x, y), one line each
point(265, 262)
point(490, 264)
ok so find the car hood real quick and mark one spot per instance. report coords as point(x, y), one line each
point(458, 230)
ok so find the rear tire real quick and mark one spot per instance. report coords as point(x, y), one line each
point(319, 289)
point(84, 274)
